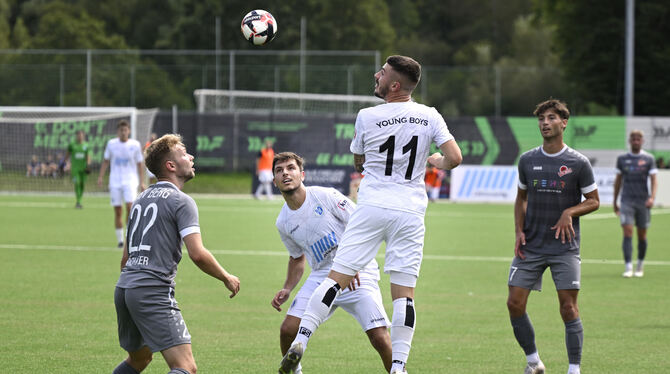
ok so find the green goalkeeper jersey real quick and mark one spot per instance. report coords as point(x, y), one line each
point(78, 156)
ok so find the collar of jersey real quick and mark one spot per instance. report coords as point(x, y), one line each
point(167, 182)
point(565, 146)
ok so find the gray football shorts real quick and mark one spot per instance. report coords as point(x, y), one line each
point(527, 273)
point(149, 316)
point(637, 214)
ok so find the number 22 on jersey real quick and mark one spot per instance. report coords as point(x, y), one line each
point(135, 217)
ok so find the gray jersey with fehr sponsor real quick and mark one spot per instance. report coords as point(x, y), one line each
point(160, 217)
point(554, 182)
point(635, 170)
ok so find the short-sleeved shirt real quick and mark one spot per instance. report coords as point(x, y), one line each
point(395, 139)
point(78, 155)
point(635, 169)
point(123, 159)
point(554, 182)
point(315, 230)
point(159, 220)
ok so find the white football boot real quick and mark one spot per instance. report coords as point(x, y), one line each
point(291, 360)
point(534, 368)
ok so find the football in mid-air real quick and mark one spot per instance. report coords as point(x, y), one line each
point(259, 27)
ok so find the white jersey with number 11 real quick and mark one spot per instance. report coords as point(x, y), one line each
point(395, 139)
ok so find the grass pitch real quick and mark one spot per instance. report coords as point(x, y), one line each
point(60, 266)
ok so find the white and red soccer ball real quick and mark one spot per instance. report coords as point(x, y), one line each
point(259, 27)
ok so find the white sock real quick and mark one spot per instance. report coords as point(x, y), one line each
point(533, 358)
point(573, 369)
point(640, 265)
point(402, 330)
point(119, 235)
point(318, 309)
point(629, 266)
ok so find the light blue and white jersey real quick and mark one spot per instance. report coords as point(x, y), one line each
point(315, 230)
point(123, 158)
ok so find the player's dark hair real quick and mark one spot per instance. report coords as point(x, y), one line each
point(556, 105)
point(407, 67)
point(159, 151)
point(285, 156)
point(122, 123)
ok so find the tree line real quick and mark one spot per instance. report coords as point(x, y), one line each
point(528, 49)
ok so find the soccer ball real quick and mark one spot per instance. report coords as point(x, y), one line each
point(259, 27)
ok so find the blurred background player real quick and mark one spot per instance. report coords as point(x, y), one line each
point(148, 316)
point(78, 156)
point(391, 203)
point(433, 180)
point(552, 180)
point(124, 158)
point(635, 170)
point(310, 225)
point(264, 170)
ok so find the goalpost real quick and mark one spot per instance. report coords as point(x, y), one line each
point(225, 101)
point(43, 134)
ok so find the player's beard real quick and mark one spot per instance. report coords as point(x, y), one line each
point(380, 91)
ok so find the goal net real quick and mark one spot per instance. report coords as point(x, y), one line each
point(225, 101)
point(34, 141)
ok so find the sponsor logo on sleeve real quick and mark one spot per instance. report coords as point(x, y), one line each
point(342, 204)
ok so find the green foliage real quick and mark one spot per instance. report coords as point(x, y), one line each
point(560, 48)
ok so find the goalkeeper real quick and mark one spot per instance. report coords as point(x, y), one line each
point(80, 159)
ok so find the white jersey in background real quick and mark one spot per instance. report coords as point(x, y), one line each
point(395, 139)
point(315, 230)
point(123, 158)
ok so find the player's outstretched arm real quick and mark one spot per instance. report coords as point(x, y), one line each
point(450, 158)
point(296, 268)
point(208, 264)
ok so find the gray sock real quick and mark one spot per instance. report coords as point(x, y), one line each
point(524, 333)
point(178, 371)
point(574, 337)
point(125, 368)
point(641, 249)
point(627, 249)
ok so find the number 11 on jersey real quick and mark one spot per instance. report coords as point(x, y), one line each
point(389, 145)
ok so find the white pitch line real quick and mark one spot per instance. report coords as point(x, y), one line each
point(285, 254)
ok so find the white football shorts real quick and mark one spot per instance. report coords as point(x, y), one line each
point(364, 303)
point(370, 225)
point(124, 193)
point(265, 176)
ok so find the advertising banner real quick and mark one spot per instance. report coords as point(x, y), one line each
point(484, 183)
